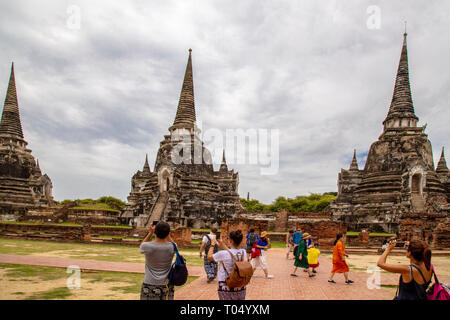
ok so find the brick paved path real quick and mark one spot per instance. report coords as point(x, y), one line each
point(285, 287)
point(281, 287)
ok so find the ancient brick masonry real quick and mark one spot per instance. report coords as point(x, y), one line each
point(244, 225)
point(22, 184)
point(399, 175)
point(183, 188)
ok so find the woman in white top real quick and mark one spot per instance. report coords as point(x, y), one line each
point(226, 263)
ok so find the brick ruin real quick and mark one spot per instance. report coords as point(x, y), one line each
point(184, 187)
point(22, 184)
point(322, 230)
point(399, 189)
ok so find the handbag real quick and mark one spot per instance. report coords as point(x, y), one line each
point(178, 273)
point(256, 252)
point(437, 291)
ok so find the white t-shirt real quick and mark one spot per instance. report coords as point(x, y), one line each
point(205, 239)
point(223, 256)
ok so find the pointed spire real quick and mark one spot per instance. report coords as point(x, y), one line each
point(10, 123)
point(354, 164)
point(442, 164)
point(223, 166)
point(38, 168)
point(402, 104)
point(186, 104)
point(223, 157)
point(146, 166)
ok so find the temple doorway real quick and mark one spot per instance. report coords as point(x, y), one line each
point(416, 183)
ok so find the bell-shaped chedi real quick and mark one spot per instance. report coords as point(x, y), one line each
point(22, 185)
point(183, 188)
point(398, 175)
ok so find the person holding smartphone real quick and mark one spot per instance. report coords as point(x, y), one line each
point(415, 277)
point(158, 262)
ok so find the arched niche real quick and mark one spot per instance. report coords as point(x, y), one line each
point(165, 179)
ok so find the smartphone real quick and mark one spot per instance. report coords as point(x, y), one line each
point(154, 223)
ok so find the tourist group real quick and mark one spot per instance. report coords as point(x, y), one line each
point(233, 262)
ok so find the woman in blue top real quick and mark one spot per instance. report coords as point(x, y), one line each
point(260, 261)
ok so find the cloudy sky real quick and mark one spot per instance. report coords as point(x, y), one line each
point(98, 90)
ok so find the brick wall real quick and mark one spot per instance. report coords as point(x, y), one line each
point(244, 225)
point(424, 226)
point(322, 232)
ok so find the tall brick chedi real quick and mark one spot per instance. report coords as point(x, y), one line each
point(22, 185)
point(183, 187)
point(399, 175)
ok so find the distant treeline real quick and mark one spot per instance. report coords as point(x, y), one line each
point(106, 202)
point(312, 203)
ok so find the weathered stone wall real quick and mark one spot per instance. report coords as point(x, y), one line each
point(441, 235)
point(422, 226)
point(244, 225)
point(181, 236)
point(322, 232)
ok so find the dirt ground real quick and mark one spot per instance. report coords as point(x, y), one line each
point(22, 282)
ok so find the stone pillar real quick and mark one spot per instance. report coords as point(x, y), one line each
point(441, 235)
point(86, 232)
point(364, 238)
point(281, 221)
point(181, 236)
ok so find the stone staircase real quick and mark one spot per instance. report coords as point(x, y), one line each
point(158, 207)
point(417, 202)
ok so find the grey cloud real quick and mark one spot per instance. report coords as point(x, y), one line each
point(94, 101)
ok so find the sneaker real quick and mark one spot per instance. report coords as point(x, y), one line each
point(269, 276)
point(314, 271)
point(349, 282)
point(294, 275)
point(312, 275)
point(331, 281)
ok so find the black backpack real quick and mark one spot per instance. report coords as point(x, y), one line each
point(178, 273)
point(208, 245)
point(252, 239)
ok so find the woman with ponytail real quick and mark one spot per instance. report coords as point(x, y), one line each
point(339, 263)
point(226, 258)
point(415, 277)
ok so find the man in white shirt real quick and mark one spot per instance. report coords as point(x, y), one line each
point(210, 266)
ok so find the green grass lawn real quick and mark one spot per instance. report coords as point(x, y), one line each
point(126, 282)
point(277, 244)
point(66, 224)
point(102, 252)
point(354, 233)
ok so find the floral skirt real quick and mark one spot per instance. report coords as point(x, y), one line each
point(153, 292)
point(210, 268)
point(227, 293)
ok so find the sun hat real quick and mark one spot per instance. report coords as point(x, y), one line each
point(306, 236)
point(263, 234)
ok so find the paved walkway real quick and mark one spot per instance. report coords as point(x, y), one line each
point(281, 287)
point(285, 287)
